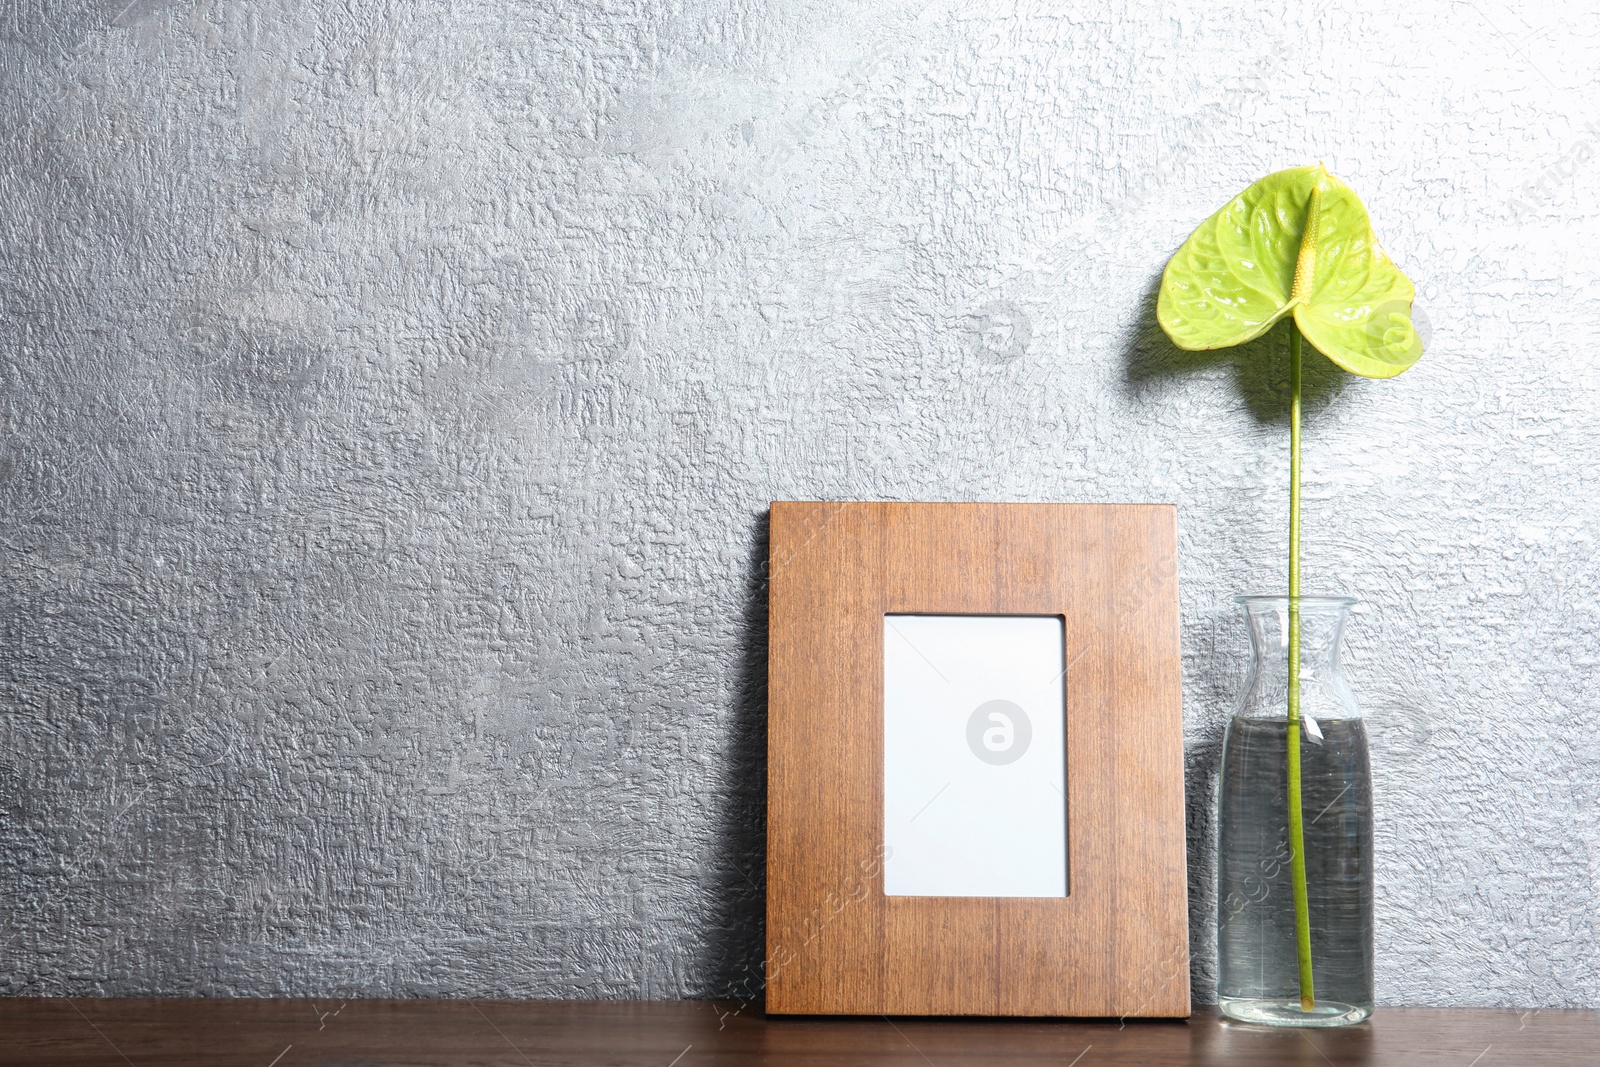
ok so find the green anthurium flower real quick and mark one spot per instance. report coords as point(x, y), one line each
point(1297, 243)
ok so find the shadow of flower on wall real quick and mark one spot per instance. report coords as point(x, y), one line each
point(1257, 373)
point(1259, 369)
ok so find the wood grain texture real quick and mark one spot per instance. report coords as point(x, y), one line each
point(458, 1033)
point(1117, 944)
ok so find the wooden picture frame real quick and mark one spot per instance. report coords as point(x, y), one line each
point(1117, 943)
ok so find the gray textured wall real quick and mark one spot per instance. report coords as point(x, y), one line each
point(392, 393)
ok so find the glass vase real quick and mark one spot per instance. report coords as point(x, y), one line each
point(1258, 962)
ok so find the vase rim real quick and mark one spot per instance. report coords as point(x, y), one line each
point(1283, 598)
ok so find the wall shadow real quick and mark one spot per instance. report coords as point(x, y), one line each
point(1259, 369)
point(1259, 374)
point(736, 947)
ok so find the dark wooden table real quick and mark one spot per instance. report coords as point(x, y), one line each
point(366, 1033)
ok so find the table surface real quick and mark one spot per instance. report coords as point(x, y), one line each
point(533, 1033)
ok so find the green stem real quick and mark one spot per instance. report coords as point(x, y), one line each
point(1297, 844)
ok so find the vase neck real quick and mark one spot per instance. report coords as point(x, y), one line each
point(1321, 627)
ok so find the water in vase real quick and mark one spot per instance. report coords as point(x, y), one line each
point(1258, 972)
